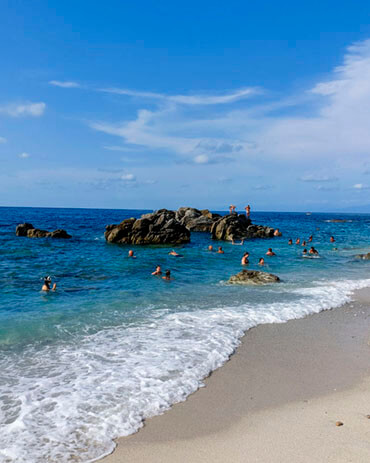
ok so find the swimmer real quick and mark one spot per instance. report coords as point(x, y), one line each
point(131, 254)
point(158, 270)
point(245, 260)
point(237, 244)
point(277, 232)
point(210, 248)
point(297, 241)
point(174, 253)
point(290, 241)
point(167, 275)
point(304, 252)
point(270, 252)
point(47, 283)
point(261, 261)
point(332, 239)
point(310, 239)
point(220, 250)
point(303, 243)
point(313, 251)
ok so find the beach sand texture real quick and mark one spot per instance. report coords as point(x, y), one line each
point(278, 399)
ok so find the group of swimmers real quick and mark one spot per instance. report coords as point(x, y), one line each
point(47, 285)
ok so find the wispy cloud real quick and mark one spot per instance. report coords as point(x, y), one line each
point(330, 120)
point(23, 109)
point(360, 186)
point(188, 99)
point(2, 140)
point(317, 178)
point(64, 84)
point(24, 155)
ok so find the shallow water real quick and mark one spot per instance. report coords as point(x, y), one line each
point(114, 344)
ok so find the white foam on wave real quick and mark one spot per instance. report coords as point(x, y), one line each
point(68, 402)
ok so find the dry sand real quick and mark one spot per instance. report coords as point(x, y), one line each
point(277, 400)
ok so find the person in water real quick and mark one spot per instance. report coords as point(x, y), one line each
point(304, 252)
point(310, 239)
point(290, 241)
point(245, 260)
point(220, 250)
point(210, 248)
point(237, 244)
point(277, 232)
point(174, 253)
point(47, 284)
point(303, 243)
point(332, 239)
point(261, 261)
point(167, 275)
point(313, 251)
point(131, 254)
point(157, 271)
point(298, 241)
point(270, 252)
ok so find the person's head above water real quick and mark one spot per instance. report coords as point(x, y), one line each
point(210, 247)
point(290, 241)
point(220, 250)
point(157, 271)
point(332, 239)
point(131, 253)
point(47, 283)
point(261, 261)
point(167, 275)
point(304, 251)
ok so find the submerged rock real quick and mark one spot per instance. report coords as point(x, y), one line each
point(27, 229)
point(253, 277)
point(238, 226)
point(159, 227)
point(363, 256)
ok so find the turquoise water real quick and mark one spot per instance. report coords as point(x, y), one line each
point(114, 344)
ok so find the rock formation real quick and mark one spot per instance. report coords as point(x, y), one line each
point(235, 227)
point(253, 277)
point(159, 227)
point(27, 229)
point(363, 256)
point(195, 219)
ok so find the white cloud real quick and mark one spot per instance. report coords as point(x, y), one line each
point(328, 123)
point(25, 109)
point(2, 140)
point(188, 99)
point(24, 155)
point(201, 159)
point(65, 84)
point(360, 186)
point(128, 177)
point(317, 178)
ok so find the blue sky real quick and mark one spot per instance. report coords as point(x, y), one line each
point(161, 104)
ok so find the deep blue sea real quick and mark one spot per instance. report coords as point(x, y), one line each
point(114, 344)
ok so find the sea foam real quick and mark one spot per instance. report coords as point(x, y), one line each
point(69, 400)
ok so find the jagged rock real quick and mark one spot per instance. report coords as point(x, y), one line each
point(160, 227)
point(253, 277)
point(363, 256)
point(196, 220)
point(22, 229)
point(27, 229)
point(236, 227)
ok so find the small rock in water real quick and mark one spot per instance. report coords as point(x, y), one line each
point(253, 277)
point(339, 423)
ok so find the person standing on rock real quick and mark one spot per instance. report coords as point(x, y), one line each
point(248, 211)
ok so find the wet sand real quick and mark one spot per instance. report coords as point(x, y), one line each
point(277, 400)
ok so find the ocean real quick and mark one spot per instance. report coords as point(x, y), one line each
point(115, 345)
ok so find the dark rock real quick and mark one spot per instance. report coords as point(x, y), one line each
point(363, 256)
point(23, 228)
point(253, 277)
point(196, 220)
point(27, 229)
point(236, 227)
point(160, 227)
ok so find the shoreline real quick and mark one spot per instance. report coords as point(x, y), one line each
point(279, 373)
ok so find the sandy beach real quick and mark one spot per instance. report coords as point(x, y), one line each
point(278, 399)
